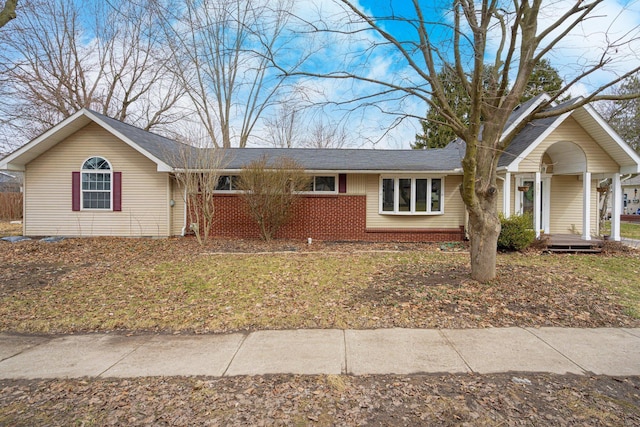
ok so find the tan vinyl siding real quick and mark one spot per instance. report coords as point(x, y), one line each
point(356, 185)
point(453, 216)
point(500, 185)
point(598, 161)
point(145, 196)
point(178, 209)
point(566, 205)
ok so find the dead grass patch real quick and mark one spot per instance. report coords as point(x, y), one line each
point(171, 285)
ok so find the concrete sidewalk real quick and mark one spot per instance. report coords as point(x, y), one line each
point(607, 351)
point(633, 243)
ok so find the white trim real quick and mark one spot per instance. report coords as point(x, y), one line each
point(95, 171)
point(623, 145)
point(506, 195)
point(515, 164)
point(336, 184)
point(541, 209)
point(396, 195)
point(586, 206)
point(546, 204)
point(543, 98)
point(63, 130)
point(616, 206)
point(537, 204)
point(161, 166)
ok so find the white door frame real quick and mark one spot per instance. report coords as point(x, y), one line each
point(543, 182)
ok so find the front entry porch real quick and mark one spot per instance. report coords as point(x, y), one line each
point(572, 243)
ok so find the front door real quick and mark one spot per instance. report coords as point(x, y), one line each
point(528, 201)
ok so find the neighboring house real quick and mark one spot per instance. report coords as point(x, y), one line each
point(631, 196)
point(93, 176)
point(10, 182)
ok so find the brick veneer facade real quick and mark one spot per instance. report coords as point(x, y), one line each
point(331, 218)
point(630, 218)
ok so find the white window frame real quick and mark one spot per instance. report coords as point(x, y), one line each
point(84, 172)
point(231, 190)
point(313, 183)
point(396, 195)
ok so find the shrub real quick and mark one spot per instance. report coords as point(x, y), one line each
point(516, 233)
point(270, 189)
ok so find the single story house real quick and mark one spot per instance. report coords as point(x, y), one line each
point(631, 195)
point(95, 176)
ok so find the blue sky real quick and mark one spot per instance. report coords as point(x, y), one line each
point(370, 124)
point(614, 20)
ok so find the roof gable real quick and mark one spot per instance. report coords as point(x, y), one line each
point(535, 132)
point(168, 154)
point(155, 147)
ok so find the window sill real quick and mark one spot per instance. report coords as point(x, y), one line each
point(411, 213)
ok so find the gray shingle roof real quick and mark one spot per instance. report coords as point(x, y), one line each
point(171, 152)
point(446, 159)
point(531, 132)
point(164, 149)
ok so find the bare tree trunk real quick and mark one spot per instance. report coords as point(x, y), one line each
point(221, 53)
point(484, 229)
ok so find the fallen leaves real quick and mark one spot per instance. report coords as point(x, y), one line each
point(501, 399)
point(171, 285)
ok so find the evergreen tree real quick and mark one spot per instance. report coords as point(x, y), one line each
point(544, 78)
point(624, 114)
point(436, 133)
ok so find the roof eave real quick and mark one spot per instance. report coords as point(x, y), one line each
point(161, 166)
point(626, 148)
point(543, 98)
point(17, 160)
point(514, 165)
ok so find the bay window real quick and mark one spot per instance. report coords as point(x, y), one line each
point(410, 195)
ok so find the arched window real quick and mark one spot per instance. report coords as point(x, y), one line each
point(96, 184)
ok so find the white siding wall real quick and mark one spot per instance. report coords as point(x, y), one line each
point(453, 216)
point(145, 193)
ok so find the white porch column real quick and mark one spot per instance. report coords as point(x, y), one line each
point(616, 206)
point(506, 195)
point(586, 206)
point(537, 205)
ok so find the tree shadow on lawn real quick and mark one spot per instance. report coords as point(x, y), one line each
point(446, 297)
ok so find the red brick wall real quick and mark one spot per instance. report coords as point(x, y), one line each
point(332, 218)
point(630, 218)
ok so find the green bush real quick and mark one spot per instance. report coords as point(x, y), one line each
point(516, 233)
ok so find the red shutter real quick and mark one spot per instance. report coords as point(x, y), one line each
point(117, 191)
point(342, 183)
point(75, 191)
